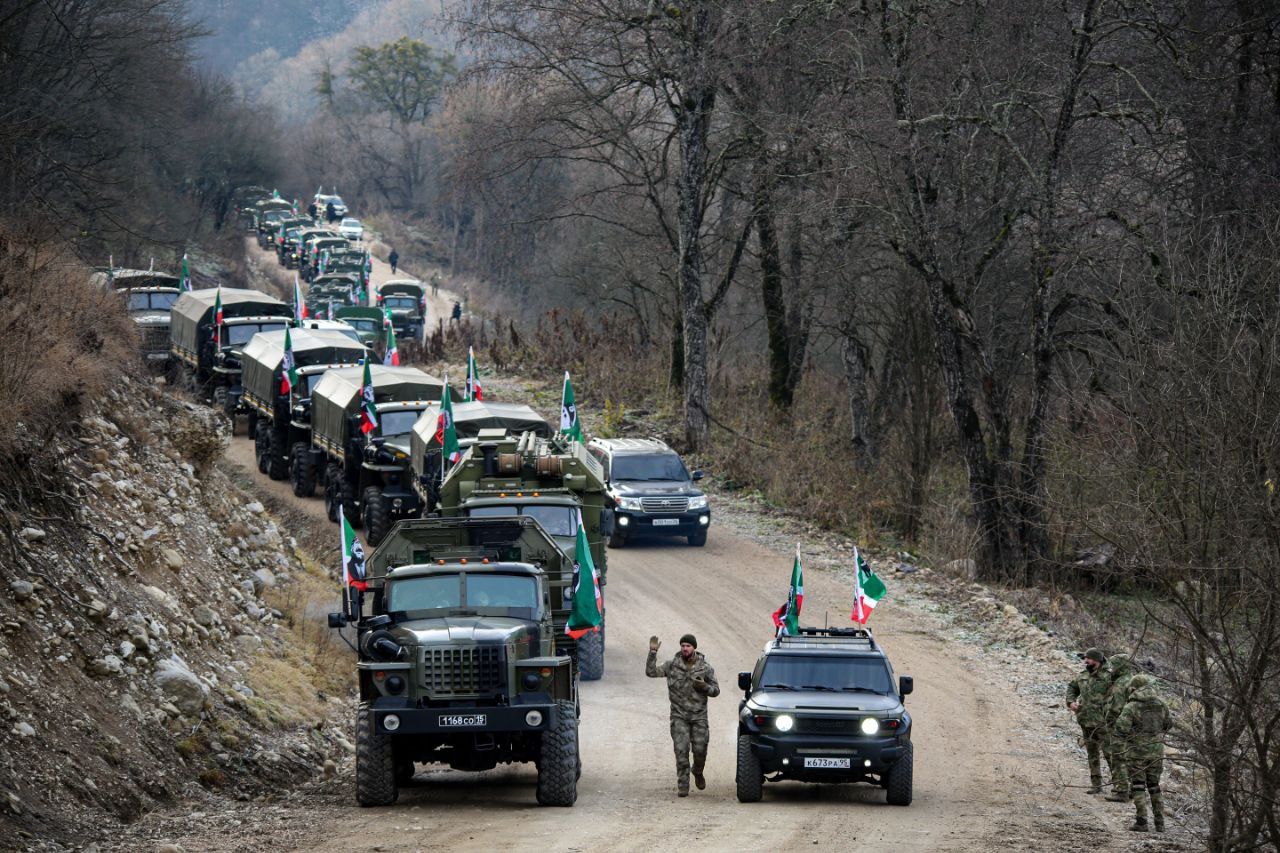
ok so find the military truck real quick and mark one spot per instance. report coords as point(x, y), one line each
point(280, 423)
point(149, 309)
point(366, 321)
point(266, 214)
point(368, 475)
point(462, 656)
point(124, 279)
point(405, 298)
point(310, 266)
point(526, 475)
point(469, 421)
point(193, 355)
point(286, 236)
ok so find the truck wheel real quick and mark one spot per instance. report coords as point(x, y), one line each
point(302, 470)
point(558, 762)
point(277, 456)
point(345, 493)
point(591, 655)
point(373, 512)
point(250, 424)
point(617, 538)
point(375, 763)
point(750, 778)
point(697, 540)
point(332, 473)
point(899, 787)
point(261, 445)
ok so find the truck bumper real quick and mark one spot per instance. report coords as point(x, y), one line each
point(459, 721)
point(787, 755)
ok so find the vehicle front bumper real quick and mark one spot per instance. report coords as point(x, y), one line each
point(416, 721)
point(633, 523)
point(786, 754)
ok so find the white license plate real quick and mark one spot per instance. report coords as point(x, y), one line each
point(467, 720)
point(665, 522)
point(835, 763)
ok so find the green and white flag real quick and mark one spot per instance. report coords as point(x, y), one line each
point(353, 570)
point(587, 611)
point(185, 284)
point(787, 617)
point(288, 367)
point(446, 432)
point(569, 423)
point(868, 589)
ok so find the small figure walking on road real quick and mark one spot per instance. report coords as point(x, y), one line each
point(1087, 699)
point(690, 682)
point(1142, 724)
point(435, 284)
point(456, 315)
point(393, 259)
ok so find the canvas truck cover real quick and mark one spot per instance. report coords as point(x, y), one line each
point(195, 308)
point(406, 288)
point(337, 396)
point(469, 419)
point(119, 279)
point(264, 354)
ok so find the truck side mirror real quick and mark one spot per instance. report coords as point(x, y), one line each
point(744, 682)
point(905, 685)
point(337, 620)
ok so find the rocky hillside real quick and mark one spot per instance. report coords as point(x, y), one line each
point(139, 629)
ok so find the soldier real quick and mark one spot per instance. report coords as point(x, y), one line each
point(1087, 698)
point(1142, 723)
point(690, 682)
point(1121, 672)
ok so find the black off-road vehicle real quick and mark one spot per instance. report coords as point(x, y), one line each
point(823, 706)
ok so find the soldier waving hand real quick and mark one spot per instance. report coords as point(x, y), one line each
point(690, 682)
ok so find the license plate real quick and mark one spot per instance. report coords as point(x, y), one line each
point(835, 763)
point(665, 522)
point(471, 720)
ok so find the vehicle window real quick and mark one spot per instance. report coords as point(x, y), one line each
point(556, 520)
point(801, 671)
point(657, 466)
point(501, 591)
point(312, 381)
point(152, 301)
point(426, 593)
point(364, 325)
point(397, 423)
point(242, 333)
point(400, 302)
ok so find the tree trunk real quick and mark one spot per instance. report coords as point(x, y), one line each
point(677, 353)
point(771, 290)
point(854, 356)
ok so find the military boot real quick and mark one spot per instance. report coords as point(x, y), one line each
point(1139, 825)
point(698, 778)
point(1157, 811)
point(1118, 797)
point(1140, 820)
point(1095, 785)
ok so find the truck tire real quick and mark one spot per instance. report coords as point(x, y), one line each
point(374, 514)
point(899, 787)
point(332, 473)
point(250, 424)
point(591, 655)
point(749, 778)
point(345, 494)
point(375, 763)
point(558, 761)
point(261, 445)
point(302, 470)
point(277, 455)
point(697, 540)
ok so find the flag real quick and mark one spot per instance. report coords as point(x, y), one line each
point(392, 355)
point(475, 393)
point(289, 366)
point(299, 304)
point(275, 193)
point(111, 270)
point(353, 571)
point(587, 611)
point(787, 617)
point(185, 284)
point(217, 318)
point(569, 424)
point(330, 309)
point(446, 433)
point(868, 589)
point(368, 411)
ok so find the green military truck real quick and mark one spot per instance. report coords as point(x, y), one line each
point(316, 247)
point(149, 296)
point(280, 423)
point(267, 213)
point(406, 300)
point(195, 358)
point(549, 480)
point(368, 474)
point(462, 656)
point(366, 321)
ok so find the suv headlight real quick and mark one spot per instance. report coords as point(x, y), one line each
point(869, 726)
point(698, 502)
point(631, 504)
point(784, 722)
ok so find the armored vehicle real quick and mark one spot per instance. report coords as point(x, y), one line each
point(368, 474)
point(549, 480)
point(823, 706)
point(149, 308)
point(193, 354)
point(280, 422)
point(406, 299)
point(366, 321)
point(653, 490)
point(469, 420)
point(462, 656)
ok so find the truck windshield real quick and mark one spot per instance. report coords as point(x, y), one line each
point(400, 302)
point(397, 423)
point(152, 301)
point(241, 333)
point(501, 591)
point(799, 672)
point(426, 593)
point(659, 466)
point(556, 520)
point(445, 591)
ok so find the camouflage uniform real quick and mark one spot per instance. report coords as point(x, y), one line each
point(1089, 689)
point(1142, 723)
point(1121, 672)
point(688, 709)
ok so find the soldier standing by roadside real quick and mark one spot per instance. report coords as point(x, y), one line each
point(690, 682)
point(1087, 698)
point(1142, 723)
point(1121, 671)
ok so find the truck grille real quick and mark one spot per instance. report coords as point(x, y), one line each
point(826, 726)
point(665, 504)
point(464, 671)
point(155, 339)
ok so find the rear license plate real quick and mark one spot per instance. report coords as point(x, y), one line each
point(665, 522)
point(471, 720)
point(834, 763)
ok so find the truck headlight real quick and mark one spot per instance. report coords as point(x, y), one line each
point(698, 502)
point(391, 722)
point(533, 718)
point(784, 722)
point(870, 726)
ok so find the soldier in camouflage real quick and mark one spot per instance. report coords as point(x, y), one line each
point(1087, 698)
point(690, 682)
point(1142, 724)
point(1121, 672)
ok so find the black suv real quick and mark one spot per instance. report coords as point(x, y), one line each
point(822, 706)
point(652, 491)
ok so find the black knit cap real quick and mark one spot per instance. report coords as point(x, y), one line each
point(690, 639)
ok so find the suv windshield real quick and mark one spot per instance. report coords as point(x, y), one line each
point(799, 672)
point(556, 520)
point(240, 334)
point(658, 466)
point(446, 591)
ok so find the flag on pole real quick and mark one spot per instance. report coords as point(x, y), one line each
point(569, 424)
point(868, 589)
point(475, 393)
point(111, 270)
point(368, 411)
point(217, 318)
point(289, 366)
point(185, 284)
point(330, 309)
point(392, 355)
point(587, 611)
point(353, 570)
point(446, 433)
point(299, 304)
point(787, 617)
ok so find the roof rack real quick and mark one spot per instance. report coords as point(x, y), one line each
point(829, 636)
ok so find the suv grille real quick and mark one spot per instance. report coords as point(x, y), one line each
point(155, 339)
point(665, 504)
point(452, 671)
point(826, 726)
